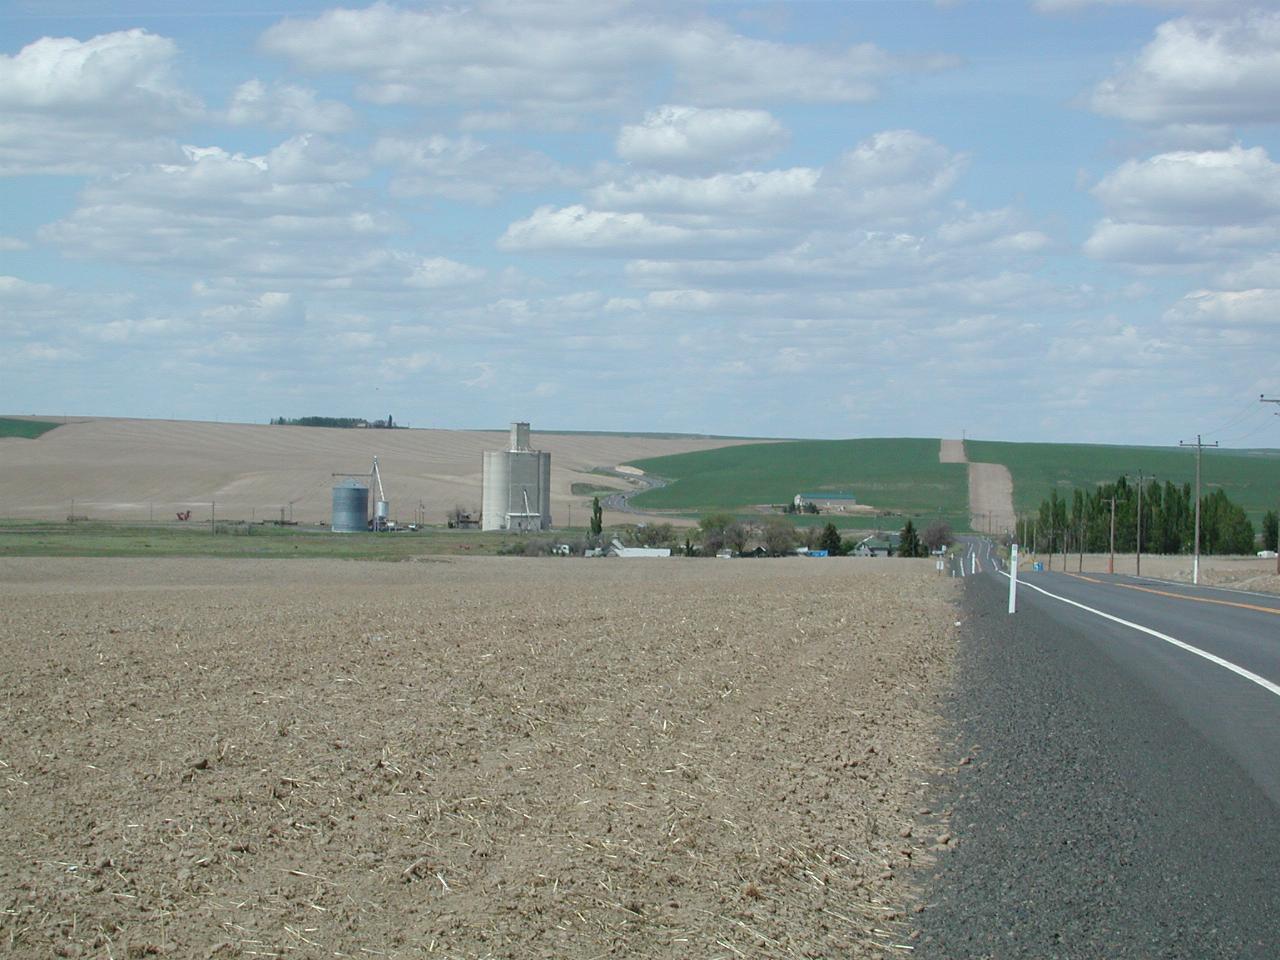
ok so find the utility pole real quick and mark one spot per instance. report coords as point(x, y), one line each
point(1266, 399)
point(1138, 560)
point(1111, 559)
point(1199, 445)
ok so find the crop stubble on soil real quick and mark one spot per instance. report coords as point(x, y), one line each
point(473, 758)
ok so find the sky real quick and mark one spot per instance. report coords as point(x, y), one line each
point(1053, 220)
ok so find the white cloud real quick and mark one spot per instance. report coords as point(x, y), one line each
point(1201, 70)
point(1231, 186)
point(561, 63)
point(928, 305)
point(1186, 206)
point(1024, 241)
point(602, 231)
point(838, 259)
point(683, 137)
point(1262, 271)
point(289, 212)
point(131, 330)
point(1064, 6)
point(465, 168)
point(1109, 345)
point(771, 194)
point(14, 288)
point(11, 244)
point(50, 316)
point(978, 226)
point(892, 178)
point(1216, 310)
point(287, 107)
point(996, 231)
point(1154, 245)
point(289, 219)
point(434, 273)
point(75, 107)
point(894, 173)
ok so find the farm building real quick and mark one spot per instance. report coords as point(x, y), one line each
point(616, 549)
point(825, 501)
point(516, 485)
point(878, 546)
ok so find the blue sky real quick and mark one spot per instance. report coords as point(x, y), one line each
point(1054, 220)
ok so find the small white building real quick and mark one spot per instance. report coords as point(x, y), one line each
point(826, 501)
point(616, 549)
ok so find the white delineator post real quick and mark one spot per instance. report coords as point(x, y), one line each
point(1013, 578)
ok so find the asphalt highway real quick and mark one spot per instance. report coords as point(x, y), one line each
point(1122, 795)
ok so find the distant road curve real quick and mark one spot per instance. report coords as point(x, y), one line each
point(620, 502)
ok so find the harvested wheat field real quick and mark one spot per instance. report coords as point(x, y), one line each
point(136, 470)
point(485, 757)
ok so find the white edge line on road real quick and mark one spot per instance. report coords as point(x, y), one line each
point(1227, 664)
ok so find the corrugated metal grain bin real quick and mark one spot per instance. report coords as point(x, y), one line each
point(350, 507)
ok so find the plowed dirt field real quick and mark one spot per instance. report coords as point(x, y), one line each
point(485, 757)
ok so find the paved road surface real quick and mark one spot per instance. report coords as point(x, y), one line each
point(1241, 716)
point(1124, 794)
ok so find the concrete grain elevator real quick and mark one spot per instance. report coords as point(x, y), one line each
point(516, 486)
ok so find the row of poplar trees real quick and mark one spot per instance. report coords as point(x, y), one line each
point(1168, 521)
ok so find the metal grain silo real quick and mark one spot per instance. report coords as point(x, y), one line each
point(350, 507)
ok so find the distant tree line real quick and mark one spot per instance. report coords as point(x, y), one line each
point(1168, 521)
point(778, 537)
point(346, 422)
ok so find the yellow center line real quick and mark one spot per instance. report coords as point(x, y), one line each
point(1182, 596)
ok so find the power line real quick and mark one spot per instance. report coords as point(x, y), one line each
point(1247, 411)
point(1251, 433)
point(1247, 425)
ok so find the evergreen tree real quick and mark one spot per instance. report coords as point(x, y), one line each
point(597, 517)
point(910, 545)
point(1224, 526)
point(1270, 530)
point(831, 541)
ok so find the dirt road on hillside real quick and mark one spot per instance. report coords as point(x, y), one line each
point(990, 490)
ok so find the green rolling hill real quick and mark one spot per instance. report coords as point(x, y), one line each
point(903, 476)
point(1251, 478)
point(898, 475)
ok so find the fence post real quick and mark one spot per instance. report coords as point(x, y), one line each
point(1013, 578)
